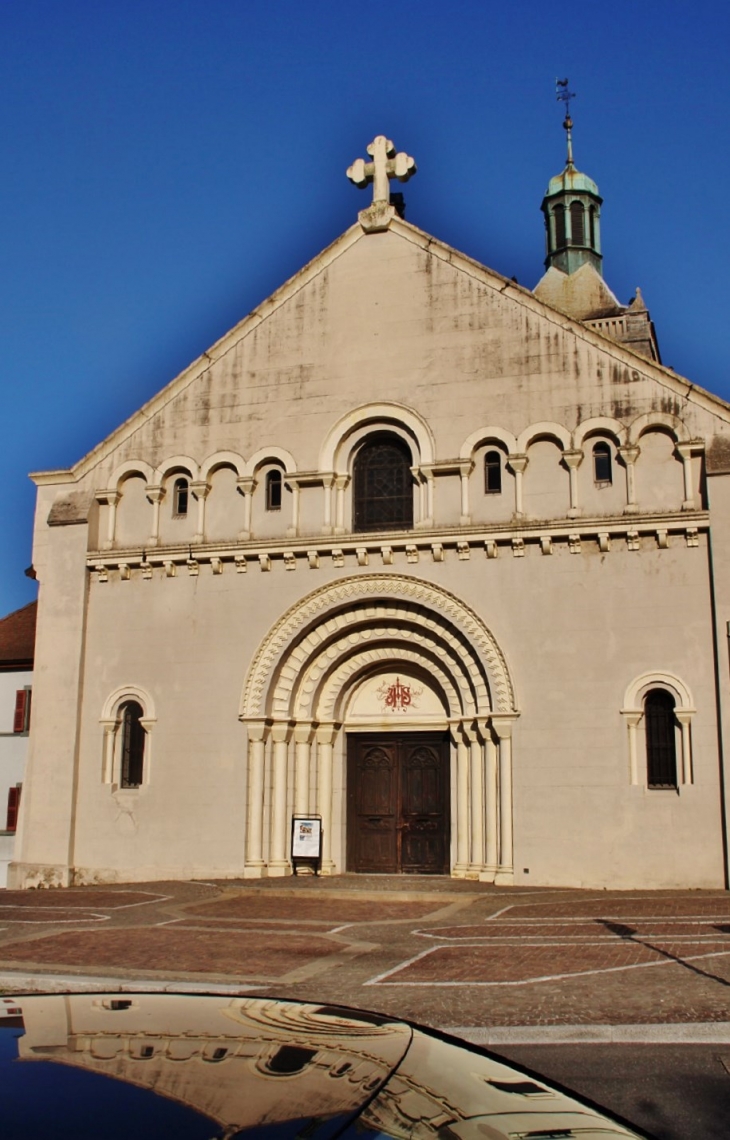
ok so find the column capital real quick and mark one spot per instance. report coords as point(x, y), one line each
point(200, 488)
point(303, 732)
point(281, 731)
point(573, 457)
point(518, 463)
point(326, 732)
point(629, 452)
point(633, 716)
point(110, 497)
point(502, 724)
point(256, 728)
point(684, 716)
point(155, 492)
point(246, 484)
point(341, 481)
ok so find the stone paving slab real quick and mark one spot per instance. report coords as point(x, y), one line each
point(439, 951)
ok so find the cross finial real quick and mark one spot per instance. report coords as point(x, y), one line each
point(386, 164)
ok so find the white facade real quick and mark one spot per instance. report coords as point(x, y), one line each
point(13, 751)
point(529, 624)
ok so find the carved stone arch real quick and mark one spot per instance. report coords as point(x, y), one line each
point(640, 686)
point(334, 455)
point(544, 430)
point(487, 435)
point(111, 722)
point(401, 643)
point(280, 649)
point(129, 693)
point(333, 697)
point(271, 454)
point(174, 465)
point(222, 459)
point(600, 425)
point(662, 421)
point(128, 470)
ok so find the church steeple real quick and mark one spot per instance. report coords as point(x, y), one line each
point(572, 209)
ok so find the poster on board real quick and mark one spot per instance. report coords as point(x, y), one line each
point(306, 838)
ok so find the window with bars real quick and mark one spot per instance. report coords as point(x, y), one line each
point(133, 742)
point(273, 491)
point(661, 747)
point(383, 485)
point(602, 468)
point(492, 473)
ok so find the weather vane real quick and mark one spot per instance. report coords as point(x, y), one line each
point(563, 94)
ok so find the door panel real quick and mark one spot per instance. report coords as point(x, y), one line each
point(398, 803)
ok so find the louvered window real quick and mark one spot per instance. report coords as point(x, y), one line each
point(592, 225)
point(11, 823)
point(133, 740)
point(661, 748)
point(492, 473)
point(21, 716)
point(559, 214)
point(577, 228)
point(383, 485)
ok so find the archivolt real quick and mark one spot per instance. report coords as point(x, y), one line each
point(328, 701)
point(334, 621)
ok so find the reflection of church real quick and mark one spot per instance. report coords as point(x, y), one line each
point(412, 548)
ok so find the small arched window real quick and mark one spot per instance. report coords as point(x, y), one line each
point(661, 748)
point(602, 470)
point(133, 741)
point(559, 214)
point(180, 496)
point(290, 1059)
point(492, 473)
point(592, 225)
point(273, 491)
point(383, 485)
point(577, 228)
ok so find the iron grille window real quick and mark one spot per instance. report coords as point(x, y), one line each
point(577, 228)
point(133, 737)
point(661, 748)
point(383, 485)
point(492, 473)
point(180, 498)
point(559, 226)
point(602, 472)
point(273, 491)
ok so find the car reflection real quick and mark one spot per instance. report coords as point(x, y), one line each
point(198, 1067)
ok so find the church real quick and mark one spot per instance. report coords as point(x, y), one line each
point(434, 562)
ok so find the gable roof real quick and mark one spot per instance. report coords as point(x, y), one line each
point(406, 230)
point(17, 638)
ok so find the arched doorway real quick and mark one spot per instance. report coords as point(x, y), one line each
point(331, 675)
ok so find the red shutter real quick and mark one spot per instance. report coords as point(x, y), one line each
point(21, 710)
point(13, 807)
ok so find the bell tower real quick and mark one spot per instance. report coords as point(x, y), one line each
point(572, 209)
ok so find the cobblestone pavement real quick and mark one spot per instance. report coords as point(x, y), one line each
point(439, 951)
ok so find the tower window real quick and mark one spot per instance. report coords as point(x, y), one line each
point(559, 214)
point(133, 738)
point(273, 491)
point(577, 227)
point(661, 749)
point(492, 473)
point(602, 472)
point(592, 225)
point(383, 485)
point(180, 496)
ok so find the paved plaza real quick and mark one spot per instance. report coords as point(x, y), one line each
point(440, 951)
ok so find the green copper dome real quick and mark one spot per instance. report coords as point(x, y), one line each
point(572, 209)
point(571, 181)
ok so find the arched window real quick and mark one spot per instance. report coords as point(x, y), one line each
point(273, 491)
point(132, 748)
point(180, 494)
point(661, 748)
point(577, 229)
point(559, 213)
point(602, 472)
point(492, 473)
point(383, 485)
point(592, 225)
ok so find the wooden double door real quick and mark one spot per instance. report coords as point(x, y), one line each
point(398, 803)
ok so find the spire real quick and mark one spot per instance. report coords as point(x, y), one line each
point(572, 207)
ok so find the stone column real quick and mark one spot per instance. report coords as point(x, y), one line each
point(684, 451)
point(684, 716)
point(518, 464)
point(155, 494)
point(302, 743)
point(492, 805)
point(573, 460)
point(476, 804)
point(505, 866)
point(256, 766)
point(461, 865)
point(325, 740)
point(246, 485)
point(201, 490)
point(107, 763)
point(630, 453)
point(465, 470)
point(632, 718)
point(328, 482)
point(111, 498)
point(278, 861)
point(341, 482)
point(293, 530)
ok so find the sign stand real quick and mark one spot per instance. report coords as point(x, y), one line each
point(306, 842)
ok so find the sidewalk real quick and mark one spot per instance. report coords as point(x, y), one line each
point(440, 951)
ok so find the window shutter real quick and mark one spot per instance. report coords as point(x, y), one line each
point(13, 807)
point(22, 702)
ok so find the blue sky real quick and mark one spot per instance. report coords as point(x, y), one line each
point(166, 165)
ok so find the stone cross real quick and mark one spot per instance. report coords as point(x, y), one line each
point(386, 164)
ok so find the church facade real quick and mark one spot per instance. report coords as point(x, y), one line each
point(435, 559)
